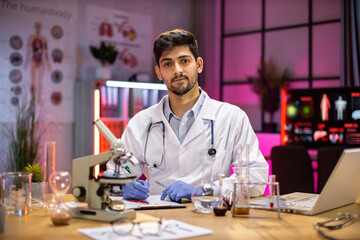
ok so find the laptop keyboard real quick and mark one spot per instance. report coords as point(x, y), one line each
point(306, 203)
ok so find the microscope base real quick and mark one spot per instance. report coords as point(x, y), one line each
point(101, 215)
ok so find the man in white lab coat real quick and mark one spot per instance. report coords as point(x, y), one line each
point(172, 138)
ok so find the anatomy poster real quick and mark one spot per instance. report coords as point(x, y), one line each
point(129, 33)
point(38, 52)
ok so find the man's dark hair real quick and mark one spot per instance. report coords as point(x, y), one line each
point(174, 38)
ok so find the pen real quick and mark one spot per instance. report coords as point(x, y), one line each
point(129, 171)
point(138, 201)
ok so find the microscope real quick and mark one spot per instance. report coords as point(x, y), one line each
point(94, 188)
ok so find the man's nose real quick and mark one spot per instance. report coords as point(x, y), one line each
point(178, 70)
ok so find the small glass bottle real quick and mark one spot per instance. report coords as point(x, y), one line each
point(206, 195)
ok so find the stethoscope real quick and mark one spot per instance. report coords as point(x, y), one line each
point(211, 150)
point(151, 125)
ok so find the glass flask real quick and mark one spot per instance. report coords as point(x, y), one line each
point(206, 195)
point(60, 183)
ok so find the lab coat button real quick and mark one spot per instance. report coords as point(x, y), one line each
point(182, 150)
point(183, 174)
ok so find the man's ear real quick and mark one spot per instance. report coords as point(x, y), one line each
point(200, 64)
point(158, 73)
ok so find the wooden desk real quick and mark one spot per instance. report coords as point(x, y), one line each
point(258, 225)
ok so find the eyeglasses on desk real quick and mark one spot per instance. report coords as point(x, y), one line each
point(333, 224)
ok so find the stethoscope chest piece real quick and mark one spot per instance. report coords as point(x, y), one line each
point(212, 151)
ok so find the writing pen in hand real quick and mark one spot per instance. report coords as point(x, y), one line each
point(138, 201)
point(129, 171)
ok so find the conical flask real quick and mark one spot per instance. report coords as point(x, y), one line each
point(206, 195)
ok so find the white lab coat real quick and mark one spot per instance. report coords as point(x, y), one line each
point(184, 161)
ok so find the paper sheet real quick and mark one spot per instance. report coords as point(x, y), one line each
point(153, 202)
point(171, 229)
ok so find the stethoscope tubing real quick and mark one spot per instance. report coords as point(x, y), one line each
point(146, 143)
point(211, 150)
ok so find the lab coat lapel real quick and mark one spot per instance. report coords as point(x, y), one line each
point(198, 127)
point(202, 122)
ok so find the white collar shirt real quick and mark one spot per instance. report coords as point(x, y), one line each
point(181, 126)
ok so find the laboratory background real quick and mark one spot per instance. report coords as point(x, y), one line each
point(73, 74)
point(310, 50)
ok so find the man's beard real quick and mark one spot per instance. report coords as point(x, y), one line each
point(182, 89)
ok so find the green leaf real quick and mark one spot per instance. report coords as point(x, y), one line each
point(37, 172)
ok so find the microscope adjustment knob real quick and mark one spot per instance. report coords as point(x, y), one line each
point(100, 191)
point(78, 191)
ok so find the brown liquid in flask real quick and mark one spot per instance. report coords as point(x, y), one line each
point(241, 211)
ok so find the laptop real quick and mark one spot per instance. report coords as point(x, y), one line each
point(342, 188)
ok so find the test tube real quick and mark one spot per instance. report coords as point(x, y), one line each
point(247, 165)
point(221, 184)
point(239, 160)
point(272, 190)
point(220, 210)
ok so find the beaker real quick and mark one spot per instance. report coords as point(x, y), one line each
point(206, 195)
point(241, 198)
point(242, 184)
point(16, 187)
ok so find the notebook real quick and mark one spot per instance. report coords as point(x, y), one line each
point(342, 188)
point(152, 202)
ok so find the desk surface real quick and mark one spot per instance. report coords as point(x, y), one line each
point(258, 224)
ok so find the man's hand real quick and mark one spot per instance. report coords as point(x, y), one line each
point(136, 190)
point(177, 191)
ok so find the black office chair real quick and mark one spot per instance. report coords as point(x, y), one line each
point(327, 158)
point(292, 166)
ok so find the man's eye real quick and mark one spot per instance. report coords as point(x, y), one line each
point(167, 64)
point(185, 60)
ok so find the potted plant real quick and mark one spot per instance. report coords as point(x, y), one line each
point(24, 136)
point(267, 85)
point(106, 54)
point(37, 183)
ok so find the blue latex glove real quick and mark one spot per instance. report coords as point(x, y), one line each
point(136, 190)
point(177, 191)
